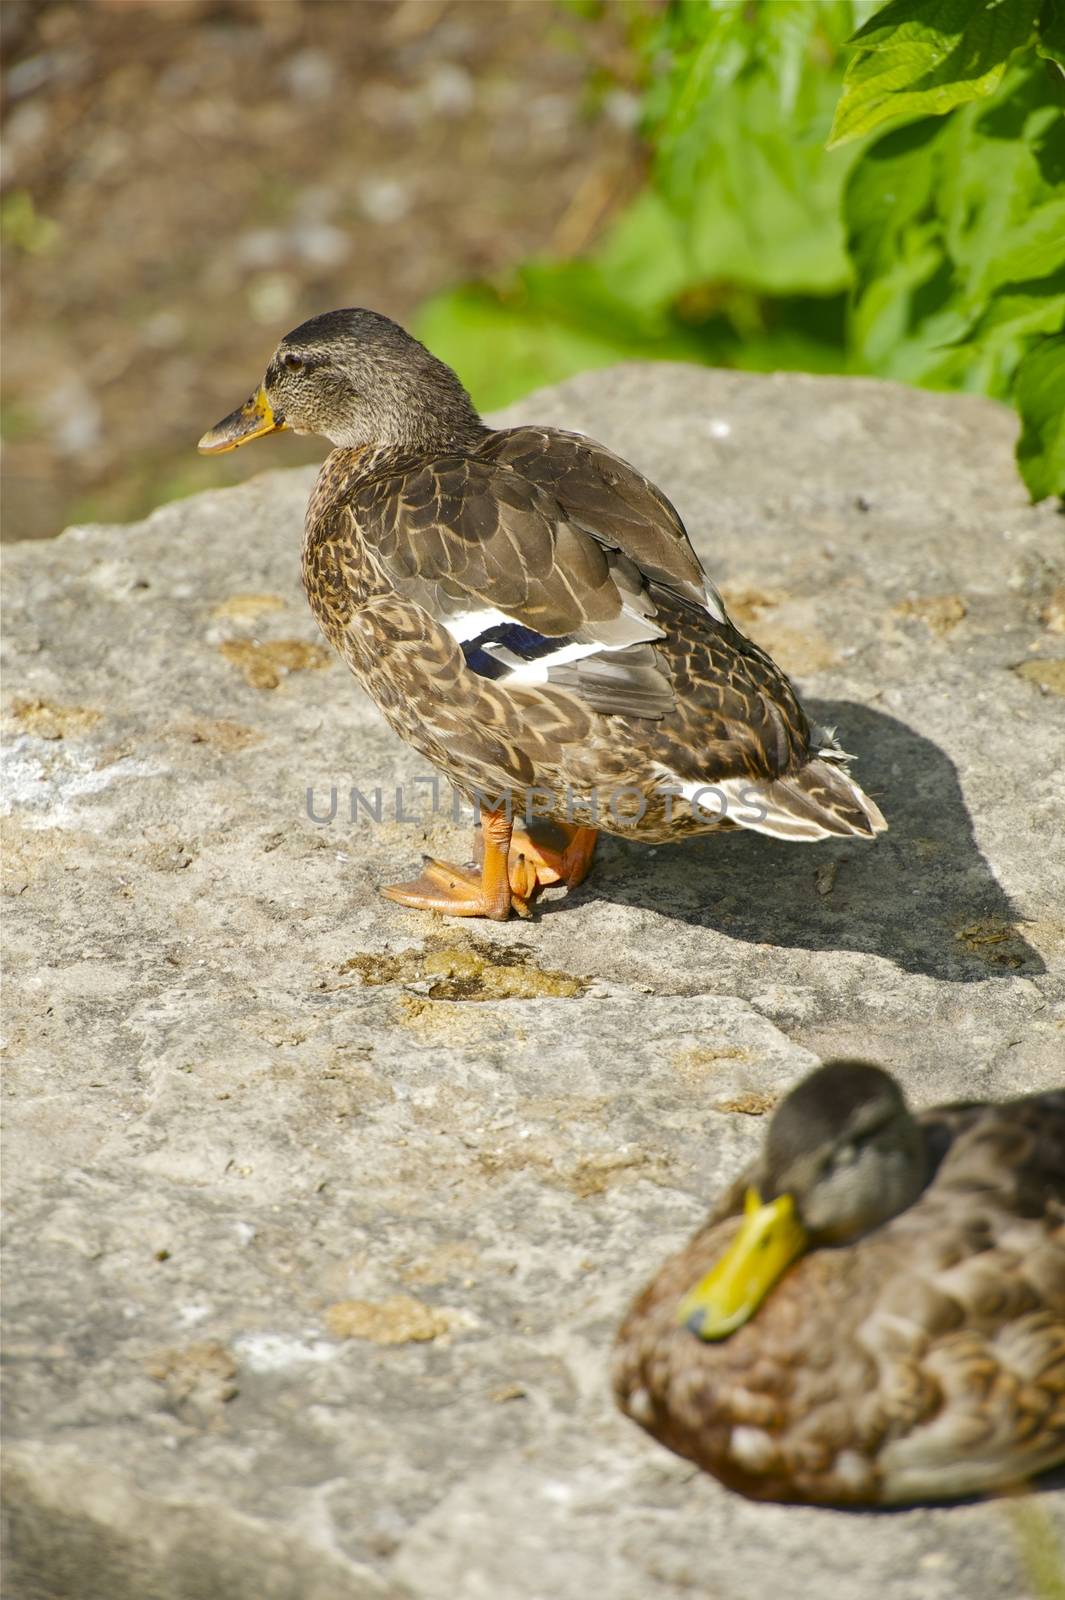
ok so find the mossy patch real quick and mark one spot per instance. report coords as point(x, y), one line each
point(217, 732)
point(198, 1377)
point(586, 1176)
point(996, 940)
point(401, 1319)
point(746, 603)
point(699, 1062)
point(47, 720)
point(441, 1022)
point(475, 970)
point(1046, 675)
point(941, 612)
point(755, 1104)
point(801, 650)
point(246, 607)
point(265, 662)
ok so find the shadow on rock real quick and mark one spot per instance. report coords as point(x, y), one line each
point(923, 895)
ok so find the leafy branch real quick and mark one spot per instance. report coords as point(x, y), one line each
point(833, 187)
point(956, 222)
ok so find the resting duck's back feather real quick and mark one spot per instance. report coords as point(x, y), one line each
point(924, 1361)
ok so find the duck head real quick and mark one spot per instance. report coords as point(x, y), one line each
point(361, 381)
point(842, 1156)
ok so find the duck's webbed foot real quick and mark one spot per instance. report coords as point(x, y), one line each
point(547, 852)
point(462, 892)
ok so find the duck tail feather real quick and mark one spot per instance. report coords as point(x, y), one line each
point(819, 802)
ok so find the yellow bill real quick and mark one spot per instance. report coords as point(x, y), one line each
point(770, 1237)
point(250, 421)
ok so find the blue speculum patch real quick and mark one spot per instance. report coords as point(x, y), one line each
point(525, 644)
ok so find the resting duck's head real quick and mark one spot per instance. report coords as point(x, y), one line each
point(843, 1155)
point(360, 380)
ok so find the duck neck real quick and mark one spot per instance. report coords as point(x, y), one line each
point(345, 467)
point(414, 407)
point(341, 470)
point(447, 429)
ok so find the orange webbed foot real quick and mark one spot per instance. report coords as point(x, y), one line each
point(553, 852)
point(456, 892)
point(465, 892)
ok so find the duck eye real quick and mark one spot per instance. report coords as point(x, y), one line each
point(292, 362)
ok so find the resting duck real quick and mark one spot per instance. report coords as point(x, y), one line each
point(530, 616)
point(915, 1352)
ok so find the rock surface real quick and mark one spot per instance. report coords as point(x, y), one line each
point(322, 1213)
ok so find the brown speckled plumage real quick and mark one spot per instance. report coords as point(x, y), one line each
point(922, 1361)
point(390, 548)
point(424, 522)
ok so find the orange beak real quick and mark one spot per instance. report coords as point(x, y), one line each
point(250, 421)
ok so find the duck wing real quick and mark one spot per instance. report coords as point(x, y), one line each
point(550, 561)
point(613, 502)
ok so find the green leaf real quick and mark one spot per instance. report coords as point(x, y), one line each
point(767, 208)
point(739, 123)
point(644, 261)
point(1034, 245)
point(942, 215)
point(1020, 309)
point(1050, 32)
point(502, 349)
point(933, 252)
point(1041, 401)
point(919, 58)
point(554, 319)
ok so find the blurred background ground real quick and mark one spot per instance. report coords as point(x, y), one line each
point(184, 180)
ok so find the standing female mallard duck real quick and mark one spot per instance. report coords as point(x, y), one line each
point(917, 1352)
point(529, 614)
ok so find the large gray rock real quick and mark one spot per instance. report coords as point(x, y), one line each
point(322, 1213)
